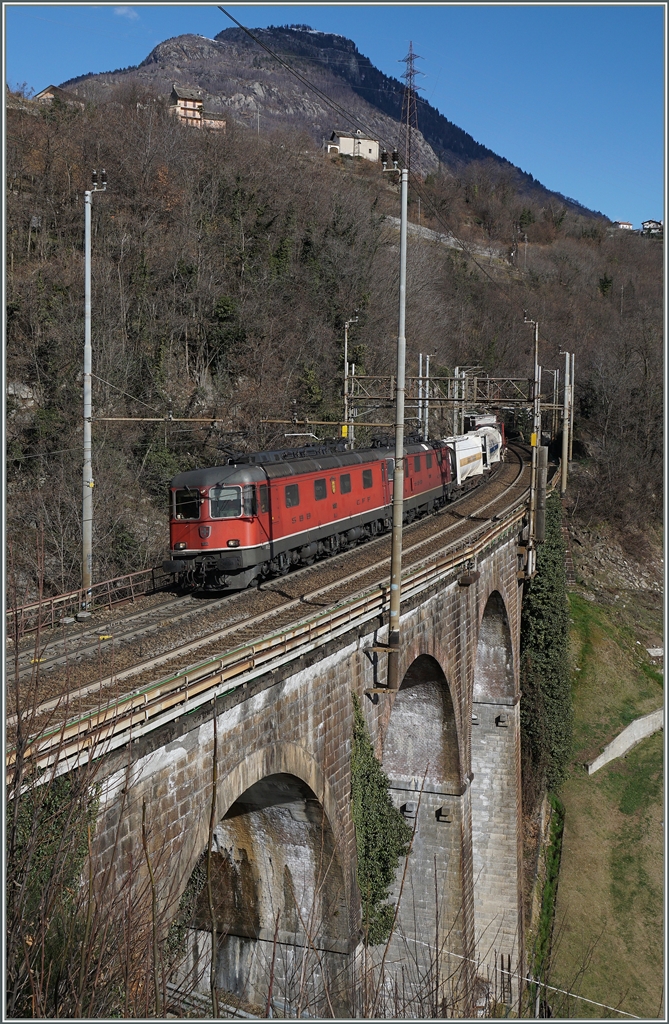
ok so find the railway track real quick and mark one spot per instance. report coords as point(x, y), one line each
point(301, 610)
point(162, 632)
point(108, 631)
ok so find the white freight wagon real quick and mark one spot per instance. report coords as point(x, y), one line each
point(492, 444)
point(468, 451)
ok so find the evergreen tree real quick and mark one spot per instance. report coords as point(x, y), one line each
point(382, 835)
point(546, 709)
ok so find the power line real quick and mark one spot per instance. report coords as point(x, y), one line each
point(351, 118)
point(110, 385)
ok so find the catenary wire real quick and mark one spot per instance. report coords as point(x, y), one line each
point(110, 385)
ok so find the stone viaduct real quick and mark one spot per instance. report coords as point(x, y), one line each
point(284, 846)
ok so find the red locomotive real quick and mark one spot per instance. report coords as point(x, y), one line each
point(261, 514)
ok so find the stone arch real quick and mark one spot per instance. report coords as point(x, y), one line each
point(275, 758)
point(494, 676)
point(423, 729)
point(495, 799)
point(278, 888)
point(422, 758)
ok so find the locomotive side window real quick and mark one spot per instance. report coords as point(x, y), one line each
point(391, 468)
point(367, 478)
point(225, 502)
point(320, 489)
point(187, 504)
point(292, 495)
point(345, 483)
point(264, 503)
point(416, 464)
point(249, 502)
point(428, 462)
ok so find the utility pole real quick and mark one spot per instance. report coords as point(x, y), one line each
point(353, 412)
point(571, 407)
point(535, 441)
point(420, 392)
point(398, 477)
point(426, 404)
point(525, 250)
point(565, 426)
point(87, 504)
point(347, 324)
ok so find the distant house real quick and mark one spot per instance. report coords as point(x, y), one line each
point(625, 224)
point(188, 105)
point(353, 144)
point(652, 227)
point(52, 92)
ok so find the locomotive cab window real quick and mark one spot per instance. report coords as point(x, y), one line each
point(186, 504)
point(320, 489)
point(292, 495)
point(225, 502)
point(264, 503)
point(416, 464)
point(367, 478)
point(345, 483)
point(249, 503)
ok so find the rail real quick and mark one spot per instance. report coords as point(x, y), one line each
point(145, 709)
point(48, 611)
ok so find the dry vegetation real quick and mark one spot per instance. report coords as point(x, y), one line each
point(223, 269)
point(609, 915)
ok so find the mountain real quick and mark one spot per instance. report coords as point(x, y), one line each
point(237, 75)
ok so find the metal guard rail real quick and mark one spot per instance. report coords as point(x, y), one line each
point(146, 709)
point(41, 614)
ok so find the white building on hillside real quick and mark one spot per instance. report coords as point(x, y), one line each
point(353, 144)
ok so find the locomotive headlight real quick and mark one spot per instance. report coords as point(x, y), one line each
point(233, 543)
point(180, 546)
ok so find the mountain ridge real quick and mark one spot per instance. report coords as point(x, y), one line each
point(235, 66)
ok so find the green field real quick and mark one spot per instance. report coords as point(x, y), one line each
point(609, 924)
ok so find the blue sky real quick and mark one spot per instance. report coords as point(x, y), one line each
point(573, 94)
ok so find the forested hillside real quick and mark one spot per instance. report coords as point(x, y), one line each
point(224, 267)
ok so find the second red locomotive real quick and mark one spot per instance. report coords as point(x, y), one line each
point(263, 513)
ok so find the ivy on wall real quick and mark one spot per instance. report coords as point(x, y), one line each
point(382, 835)
point(546, 714)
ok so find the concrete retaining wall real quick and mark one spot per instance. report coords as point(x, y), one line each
point(628, 738)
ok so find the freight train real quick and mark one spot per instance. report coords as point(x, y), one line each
point(261, 514)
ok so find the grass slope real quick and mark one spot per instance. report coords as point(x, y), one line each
point(608, 939)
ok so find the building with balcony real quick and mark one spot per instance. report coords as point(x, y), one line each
point(188, 106)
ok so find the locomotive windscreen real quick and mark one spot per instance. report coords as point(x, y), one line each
point(187, 504)
point(226, 502)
